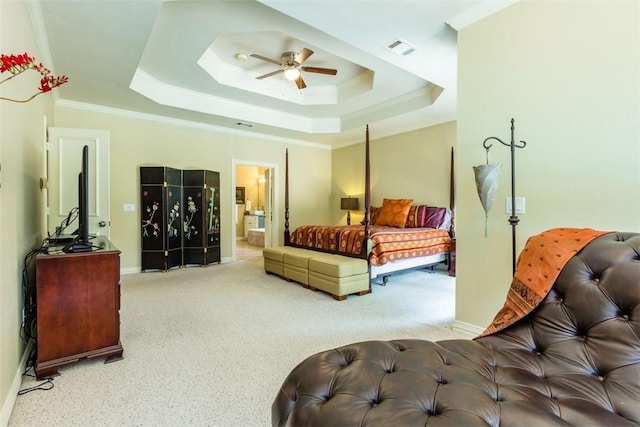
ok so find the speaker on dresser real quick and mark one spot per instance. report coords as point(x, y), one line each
point(161, 210)
point(201, 201)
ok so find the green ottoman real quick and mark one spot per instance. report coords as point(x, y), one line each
point(339, 275)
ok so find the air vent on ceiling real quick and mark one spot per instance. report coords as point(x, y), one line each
point(401, 47)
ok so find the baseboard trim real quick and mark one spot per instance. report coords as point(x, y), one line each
point(138, 269)
point(130, 270)
point(467, 328)
point(10, 401)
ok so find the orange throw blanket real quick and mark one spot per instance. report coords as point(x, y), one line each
point(538, 266)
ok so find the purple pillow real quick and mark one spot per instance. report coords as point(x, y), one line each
point(434, 217)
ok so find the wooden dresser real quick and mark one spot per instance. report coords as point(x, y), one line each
point(78, 303)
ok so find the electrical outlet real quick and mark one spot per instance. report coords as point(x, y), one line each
point(128, 207)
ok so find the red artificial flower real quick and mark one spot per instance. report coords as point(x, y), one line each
point(44, 85)
point(17, 64)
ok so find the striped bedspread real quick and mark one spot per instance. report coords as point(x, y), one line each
point(387, 243)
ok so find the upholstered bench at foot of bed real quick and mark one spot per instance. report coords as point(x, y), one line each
point(293, 266)
point(273, 260)
point(296, 265)
point(339, 275)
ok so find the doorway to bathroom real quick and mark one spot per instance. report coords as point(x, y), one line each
point(254, 216)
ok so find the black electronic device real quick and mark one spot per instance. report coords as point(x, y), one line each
point(59, 239)
point(81, 242)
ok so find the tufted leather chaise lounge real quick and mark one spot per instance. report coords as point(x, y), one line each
point(574, 360)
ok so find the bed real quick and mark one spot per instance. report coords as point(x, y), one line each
point(396, 236)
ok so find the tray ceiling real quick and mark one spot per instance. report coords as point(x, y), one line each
point(191, 61)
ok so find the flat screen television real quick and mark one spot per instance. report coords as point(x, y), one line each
point(81, 242)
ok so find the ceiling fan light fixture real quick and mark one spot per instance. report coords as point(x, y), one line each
point(291, 74)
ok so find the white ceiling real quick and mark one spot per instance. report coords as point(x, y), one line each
point(179, 60)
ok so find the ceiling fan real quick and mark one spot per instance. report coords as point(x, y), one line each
point(291, 65)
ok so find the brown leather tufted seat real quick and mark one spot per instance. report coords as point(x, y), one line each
point(575, 360)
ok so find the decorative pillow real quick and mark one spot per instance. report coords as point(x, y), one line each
point(394, 212)
point(434, 217)
point(422, 216)
point(373, 215)
point(416, 216)
point(411, 217)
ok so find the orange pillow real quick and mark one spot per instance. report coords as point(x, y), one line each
point(394, 212)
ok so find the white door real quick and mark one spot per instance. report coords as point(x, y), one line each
point(64, 164)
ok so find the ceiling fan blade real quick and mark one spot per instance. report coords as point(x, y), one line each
point(300, 83)
point(303, 55)
point(273, 73)
point(264, 58)
point(330, 71)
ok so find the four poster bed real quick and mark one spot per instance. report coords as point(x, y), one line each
point(394, 237)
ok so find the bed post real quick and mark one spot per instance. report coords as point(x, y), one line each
point(367, 192)
point(367, 204)
point(452, 201)
point(367, 197)
point(286, 197)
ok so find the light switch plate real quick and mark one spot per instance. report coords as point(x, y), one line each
point(129, 207)
point(519, 205)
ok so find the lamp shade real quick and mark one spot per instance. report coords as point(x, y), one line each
point(349, 203)
point(487, 177)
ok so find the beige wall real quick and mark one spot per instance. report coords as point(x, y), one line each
point(423, 175)
point(136, 142)
point(21, 200)
point(569, 73)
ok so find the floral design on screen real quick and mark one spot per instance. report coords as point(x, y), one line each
point(191, 210)
point(174, 215)
point(149, 224)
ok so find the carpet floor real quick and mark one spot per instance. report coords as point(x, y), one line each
point(211, 346)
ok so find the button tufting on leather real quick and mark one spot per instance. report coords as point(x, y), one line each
point(499, 377)
point(400, 347)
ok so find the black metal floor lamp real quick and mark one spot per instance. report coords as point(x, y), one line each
point(513, 219)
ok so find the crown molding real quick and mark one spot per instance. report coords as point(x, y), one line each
point(183, 123)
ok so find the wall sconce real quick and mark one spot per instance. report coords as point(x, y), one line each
point(349, 204)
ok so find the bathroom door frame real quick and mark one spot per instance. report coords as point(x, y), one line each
point(272, 207)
